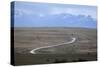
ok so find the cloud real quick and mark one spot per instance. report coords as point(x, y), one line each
point(57, 10)
point(41, 15)
point(20, 12)
point(74, 11)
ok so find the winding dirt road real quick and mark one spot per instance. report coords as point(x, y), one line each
point(72, 41)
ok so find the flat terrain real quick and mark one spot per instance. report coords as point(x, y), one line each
point(26, 39)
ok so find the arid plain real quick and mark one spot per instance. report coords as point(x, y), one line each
point(84, 48)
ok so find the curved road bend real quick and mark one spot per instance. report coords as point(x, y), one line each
point(72, 41)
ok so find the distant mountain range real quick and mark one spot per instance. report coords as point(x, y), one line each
point(56, 20)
